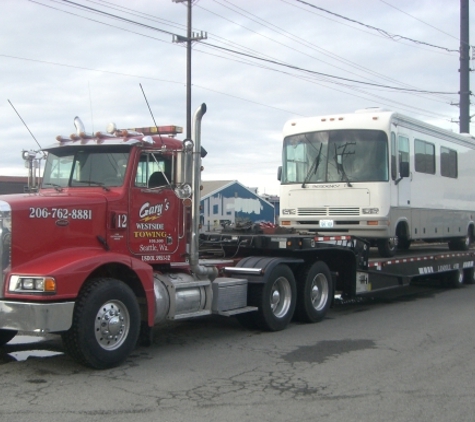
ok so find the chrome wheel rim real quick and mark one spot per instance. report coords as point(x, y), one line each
point(319, 291)
point(112, 325)
point(280, 297)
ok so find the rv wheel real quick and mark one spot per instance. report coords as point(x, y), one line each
point(387, 247)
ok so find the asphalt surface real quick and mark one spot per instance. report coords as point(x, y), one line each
point(406, 356)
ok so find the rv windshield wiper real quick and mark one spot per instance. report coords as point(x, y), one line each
point(314, 167)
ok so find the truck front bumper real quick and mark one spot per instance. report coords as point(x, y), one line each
point(36, 317)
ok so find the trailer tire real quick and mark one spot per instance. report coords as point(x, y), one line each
point(314, 292)
point(6, 336)
point(386, 247)
point(275, 299)
point(469, 276)
point(455, 279)
point(106, 324)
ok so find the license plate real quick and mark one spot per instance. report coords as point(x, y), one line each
point(326, 224)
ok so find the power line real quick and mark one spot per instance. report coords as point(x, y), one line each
point(419, 20)
point(395, 88)
point(379, 30)
point(297, 39)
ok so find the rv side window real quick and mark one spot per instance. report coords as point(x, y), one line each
point(448, 162)
point(404, 153)
point(393, 156)
point(424, 157)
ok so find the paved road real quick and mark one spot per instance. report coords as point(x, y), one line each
point(404, 357)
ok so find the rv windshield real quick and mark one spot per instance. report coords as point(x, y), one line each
point(85, 167)
point(335, 156)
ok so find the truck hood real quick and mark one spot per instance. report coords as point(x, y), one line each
point(41, 224)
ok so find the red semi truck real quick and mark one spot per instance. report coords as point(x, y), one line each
point(109, 246)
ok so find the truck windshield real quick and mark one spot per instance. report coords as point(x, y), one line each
point(85, 167)
point(335, 156)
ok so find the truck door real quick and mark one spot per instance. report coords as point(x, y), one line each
point(404, 185)
point(155, 211)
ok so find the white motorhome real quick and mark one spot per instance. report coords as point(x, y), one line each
point(379, 175)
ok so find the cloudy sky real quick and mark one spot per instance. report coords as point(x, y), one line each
point(263, 63)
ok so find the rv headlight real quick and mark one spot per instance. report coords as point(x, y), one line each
point(370, 210)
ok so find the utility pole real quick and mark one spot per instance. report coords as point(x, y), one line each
point(190, 37)
point(464, 103)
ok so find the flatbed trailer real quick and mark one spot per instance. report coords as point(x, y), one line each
point(422, 261)
point(356, 270)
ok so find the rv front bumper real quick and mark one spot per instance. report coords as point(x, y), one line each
point(36, 317)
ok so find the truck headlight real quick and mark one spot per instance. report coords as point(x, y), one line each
point(26, 284)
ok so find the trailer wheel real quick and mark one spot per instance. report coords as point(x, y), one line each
point(314, 292)
point(106, 324)
point(455, 279)
point(386, 247)
point(276, 299)
point(469, 276)
point(6, 336)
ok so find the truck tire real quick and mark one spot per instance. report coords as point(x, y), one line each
point(314, 292)
point(276, 299)
point(106, 324)
point(6, 336)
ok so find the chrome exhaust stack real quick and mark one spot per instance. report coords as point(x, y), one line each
point(198, 270)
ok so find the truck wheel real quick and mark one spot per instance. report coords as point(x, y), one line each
point(314, 292)
point(106, 324)
point(6, 336)
point(276, 299)
point(386, 247)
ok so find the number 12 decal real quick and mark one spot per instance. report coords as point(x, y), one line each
point(121, 221)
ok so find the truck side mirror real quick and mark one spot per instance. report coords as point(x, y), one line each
point(279, 173)
point(404, 169)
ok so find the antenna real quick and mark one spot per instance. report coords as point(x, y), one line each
point(32, 160)
point(18, 114)
point(148, 105)
point(151, 114)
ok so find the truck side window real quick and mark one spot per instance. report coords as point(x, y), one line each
point(153, 170)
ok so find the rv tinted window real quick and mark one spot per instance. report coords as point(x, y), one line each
point(448, 162)
point(424, 157)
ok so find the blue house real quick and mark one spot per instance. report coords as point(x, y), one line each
point(227, 202)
